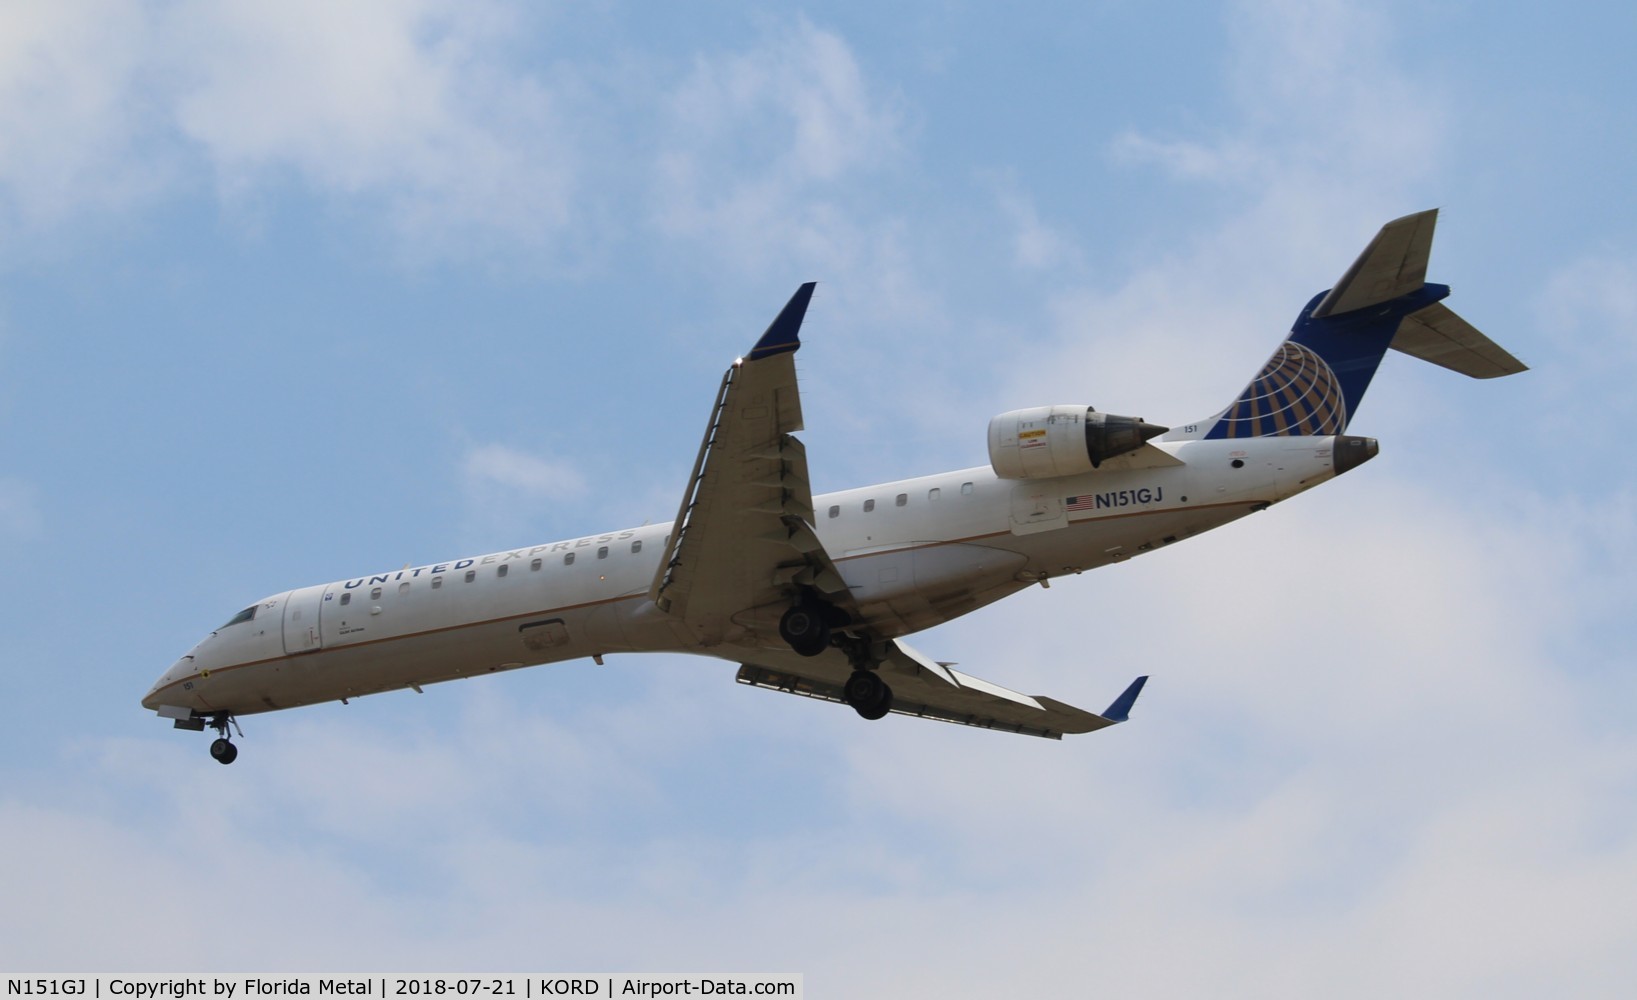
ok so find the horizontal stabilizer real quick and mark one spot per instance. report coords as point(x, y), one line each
point(1394, 264)
point(1438, 335)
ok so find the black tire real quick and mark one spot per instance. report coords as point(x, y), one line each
point(880, 709)
point(805, 628)
point(223, 750)
point(869, 695)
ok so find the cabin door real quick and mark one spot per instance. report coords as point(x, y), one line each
point(301, 620)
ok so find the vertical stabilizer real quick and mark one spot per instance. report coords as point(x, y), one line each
point(1315, 381)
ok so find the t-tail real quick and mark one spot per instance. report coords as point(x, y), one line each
point(1315, 381)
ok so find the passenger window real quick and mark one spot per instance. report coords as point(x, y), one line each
point(471, 575)
point(375, 595)
point(636, 546)
point(869, 505)
point(568, 559)
point(933, 493)
point(501, 569)
point(534, 565)
point(346, 599)
point(966, 489)
point(602, 552)
point(437, 582)
point(403, 588)
point(835, 510)
point(903, 498)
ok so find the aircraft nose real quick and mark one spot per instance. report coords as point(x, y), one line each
point(1350, 452)
point(151, 700)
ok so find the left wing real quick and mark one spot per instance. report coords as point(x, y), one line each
point(744, 541)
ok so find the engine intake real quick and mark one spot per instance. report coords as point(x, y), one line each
point(1045, 442)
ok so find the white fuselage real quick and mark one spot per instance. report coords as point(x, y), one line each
point(914, 554)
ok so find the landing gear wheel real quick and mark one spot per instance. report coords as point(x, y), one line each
point(223, 750)
point(869, 695)
point(805, 628)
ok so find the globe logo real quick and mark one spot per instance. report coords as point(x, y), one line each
point(1296, 393)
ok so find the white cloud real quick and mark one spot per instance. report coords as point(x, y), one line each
point(799, 107)
point(415, 110)
point(764, 147)
point(1187, 159)
point(401, 102)
point(508, 492)
point(532, 477)
point(1035, 245)
point(74, 111)
point(1588, 309)
point(1327, 118)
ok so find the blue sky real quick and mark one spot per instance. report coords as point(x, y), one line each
point(291, 293)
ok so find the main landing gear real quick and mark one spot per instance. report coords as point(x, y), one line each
point(806, 628)
point(869, 695)
point(222, 748)
point(812, 626)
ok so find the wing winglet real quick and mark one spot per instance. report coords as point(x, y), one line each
point(781, 335)
point(1120, 711)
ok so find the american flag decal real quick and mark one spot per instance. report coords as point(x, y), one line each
point(1139, 497)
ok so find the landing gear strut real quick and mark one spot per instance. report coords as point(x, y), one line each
point(222, 748)
point(865, 691)
point(811, 626)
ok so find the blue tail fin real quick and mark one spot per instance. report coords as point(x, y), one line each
point(1315, 381)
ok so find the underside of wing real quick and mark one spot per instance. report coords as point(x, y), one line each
point(925, 689)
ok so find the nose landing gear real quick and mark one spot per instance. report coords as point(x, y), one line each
point(222, 749)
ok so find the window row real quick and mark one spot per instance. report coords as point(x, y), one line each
point(502, 570)
point(902, 499)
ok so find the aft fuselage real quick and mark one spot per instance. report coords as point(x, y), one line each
point(914, 554)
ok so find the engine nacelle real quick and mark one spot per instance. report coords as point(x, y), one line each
point(1045, 442)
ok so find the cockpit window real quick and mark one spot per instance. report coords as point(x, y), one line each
point(243, 616)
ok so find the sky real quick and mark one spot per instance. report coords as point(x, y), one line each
point(296, 292)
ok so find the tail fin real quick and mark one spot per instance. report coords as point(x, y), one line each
point(1315, 381)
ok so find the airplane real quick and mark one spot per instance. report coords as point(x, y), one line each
point(814, 595)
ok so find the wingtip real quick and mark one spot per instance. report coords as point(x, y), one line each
point(783, 333)
point(1120, 711)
